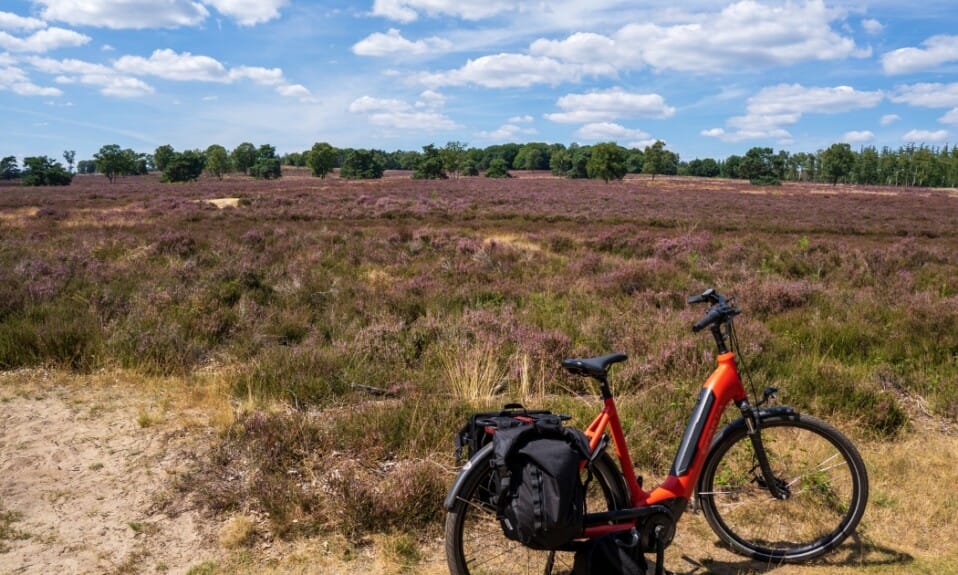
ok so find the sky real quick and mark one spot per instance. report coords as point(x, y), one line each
point(709, 78)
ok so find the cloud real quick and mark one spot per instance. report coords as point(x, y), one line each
point(937, 50)
point(170, 65)
point(594, 54)
point(43, 40)
point(858, 137)
point(927, 95)
point(889, 119)
point(409, 10)
point(296, 91)
point(14, 79)
point(926, 136)
point(136, 14)
point(505, 71)
point(950, 118)
point(10, 21)
point(394, 113)
point(107, 79)
point(606, 131)
point(774, 107)
point(142, 14)
point(248, 12)
point(605, 105)
point(746, 34)
point(263, 76)
point(872, 26)
point(392, 42)
point(508, 132)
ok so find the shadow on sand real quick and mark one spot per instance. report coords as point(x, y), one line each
point(854, 552)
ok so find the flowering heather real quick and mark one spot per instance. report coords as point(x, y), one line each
point(306, 288)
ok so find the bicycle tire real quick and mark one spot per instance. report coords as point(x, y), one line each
point(475, 543)
point(827, 484)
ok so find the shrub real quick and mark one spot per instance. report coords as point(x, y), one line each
point(498, 168)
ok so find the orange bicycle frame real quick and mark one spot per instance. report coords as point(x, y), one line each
point(721, 388)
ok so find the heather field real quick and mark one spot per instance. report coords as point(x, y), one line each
point(322, 340)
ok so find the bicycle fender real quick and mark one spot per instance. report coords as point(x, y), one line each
point(769, 412)
point(476, 464)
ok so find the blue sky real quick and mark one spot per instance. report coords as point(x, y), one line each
point(709, 78)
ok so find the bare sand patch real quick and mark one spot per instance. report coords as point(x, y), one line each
point(88, 473)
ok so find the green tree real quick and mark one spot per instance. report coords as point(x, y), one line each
point(361, 165)
point(704, 168)
point(184, 166)
point(321, 159)
point(533, 156)
point(9, 170)
point(162, 156)
point(430, 165)
point(731, 167)
point(560, 162)
point(136, 164)
point(498, 168)
point(267, 165)
point(580, 161)
point(86, 167)
point(44, 171)
point(607, 162)
point(69, 156)
point(217, 161)
point(657, 160)
point(243, 157)
point(453, 157)
point(758, 166)
point(838, 161)
point(112, 161)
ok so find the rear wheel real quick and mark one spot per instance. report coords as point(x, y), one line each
point(475, 544)
point(818, 468)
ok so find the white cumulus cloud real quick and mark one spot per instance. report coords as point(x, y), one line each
point(858, 137)
point(399, 114)
point(248, 12)
point(927, 95)
point(143, 14)
point(15, 22)
point(926, 136)
point(606, 105)
point(121, 14)
point(170, 65)
point(409, 10)
point(392, 42)
point(605, 131)
point(937, 50)
point(505, 71)
point(775, 107)
point(43, 40)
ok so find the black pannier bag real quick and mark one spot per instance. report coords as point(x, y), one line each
point(540, 498)
point(478, 430)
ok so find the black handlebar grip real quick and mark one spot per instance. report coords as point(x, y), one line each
point(711, 317)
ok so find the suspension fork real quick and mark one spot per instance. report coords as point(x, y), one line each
point(753, 425)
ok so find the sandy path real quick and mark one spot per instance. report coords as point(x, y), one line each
point(88, 474)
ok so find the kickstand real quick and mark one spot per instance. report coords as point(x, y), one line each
point(659, 552)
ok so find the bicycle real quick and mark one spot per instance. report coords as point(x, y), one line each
point(774, 485)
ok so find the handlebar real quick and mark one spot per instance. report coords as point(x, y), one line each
point(719, 312)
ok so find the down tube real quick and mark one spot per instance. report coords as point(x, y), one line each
point(721, 388)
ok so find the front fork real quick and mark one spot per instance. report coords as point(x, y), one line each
point(778, 488)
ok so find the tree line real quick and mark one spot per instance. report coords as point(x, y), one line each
point(911, 165)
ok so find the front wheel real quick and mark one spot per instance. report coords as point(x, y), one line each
point(475, 543)
point(823, 478)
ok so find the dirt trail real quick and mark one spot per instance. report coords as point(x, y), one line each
point(85, 480)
